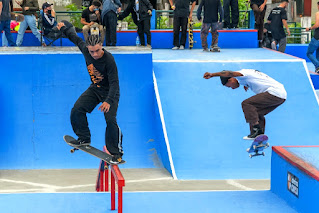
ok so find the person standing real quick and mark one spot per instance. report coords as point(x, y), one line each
point(181, 16)
point(109, 19)
point(233, 4)
point(141, 11)
point(211, 10)
point(269, 95)
point(314, 44)
point(104, 89)
point(5, 20)
point(277, 18)
point(259, 8)
point(91, 17)
point(29, 9)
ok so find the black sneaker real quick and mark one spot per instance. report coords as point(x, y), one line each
point(256, 131)
point(116, 159)
point(80, 142)
point(317, 70)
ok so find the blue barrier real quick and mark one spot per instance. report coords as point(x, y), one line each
point(163, 39)
point(298, 50)
point(38, 91)
point(295, 177)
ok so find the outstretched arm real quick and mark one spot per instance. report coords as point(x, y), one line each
point(224, 73)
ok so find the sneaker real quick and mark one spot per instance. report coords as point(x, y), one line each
point(149, 46)
point(80, 142)
point(181, 47)
point(205, 50)
point(116, 159)
point(175, 48)
point(256, 131)
point(317, 70)
point(215, 49)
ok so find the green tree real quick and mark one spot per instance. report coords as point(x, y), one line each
point(75, 18)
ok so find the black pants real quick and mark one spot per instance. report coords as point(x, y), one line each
point(259, 20)
point(180, 22)
point(85, 104)
point(110, 23)
point(234, 13)
point(144, 27)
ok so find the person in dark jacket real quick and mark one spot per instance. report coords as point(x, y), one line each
point(141, 11)
point(48, 18)
point(259, 7)
point(211, 10)
point(104, 88)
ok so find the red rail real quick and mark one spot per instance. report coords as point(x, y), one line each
point(102, 183)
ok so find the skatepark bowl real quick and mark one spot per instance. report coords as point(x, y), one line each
point(182, 134)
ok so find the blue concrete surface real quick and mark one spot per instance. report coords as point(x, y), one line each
point(307, 154)
point(163, 39)
point(308, 187)
point(146, 202)
point(204, 120)
point(38, 92)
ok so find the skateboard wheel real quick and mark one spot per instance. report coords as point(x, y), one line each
point(263, 153)
point(267, 144)
point(254, 146)
point(250, 155)
point(72, 150)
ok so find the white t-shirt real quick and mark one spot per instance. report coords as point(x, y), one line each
point(259, 82)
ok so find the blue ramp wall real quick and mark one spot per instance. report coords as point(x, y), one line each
point(38, 92)
point(204, 120)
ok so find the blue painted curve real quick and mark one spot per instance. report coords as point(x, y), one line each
point(204, 120)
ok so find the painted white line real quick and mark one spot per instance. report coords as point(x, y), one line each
point(238, 185)
point(76, 186)
point(310, 81)
point(29, 183)
point(226, 61)
point(159, 104)
point(145, 180)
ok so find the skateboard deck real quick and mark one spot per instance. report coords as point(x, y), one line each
point(90, 150)
point(259, 144)
point(17, 17)
point(190, 33)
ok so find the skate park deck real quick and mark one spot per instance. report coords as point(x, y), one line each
point(202, 146)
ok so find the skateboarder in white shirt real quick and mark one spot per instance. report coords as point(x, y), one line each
point(269, 95)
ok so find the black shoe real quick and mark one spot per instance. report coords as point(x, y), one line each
point(256, 131)
point(117, 159)
point(80, 142)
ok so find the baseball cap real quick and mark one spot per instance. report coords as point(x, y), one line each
point(45, 5)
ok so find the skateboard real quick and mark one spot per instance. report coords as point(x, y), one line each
point(90, 150)
point(259, 144)
point(94, 30)
point(215, 49)
point(190, 33)
point(17, 17)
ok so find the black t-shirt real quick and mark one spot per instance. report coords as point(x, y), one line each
point(276, 16)
point(316, 35)
point(103, 71)
point(182, 8)
point(258, 2)
point(90, 16)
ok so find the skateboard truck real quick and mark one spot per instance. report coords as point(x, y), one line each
point(256, 149)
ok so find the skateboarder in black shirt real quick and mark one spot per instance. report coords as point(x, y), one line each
point(277, 18)
point(104, 88)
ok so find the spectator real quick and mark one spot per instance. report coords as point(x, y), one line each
point(268, 40)
point(181, 15)
point(29, 9)
point(91, 17)
point(211, 10)
point(259, 8)
point(277, 18)
point(109, 19)
point(234, 13)
point(48, 17)
point(314, 44)
point(5, 19)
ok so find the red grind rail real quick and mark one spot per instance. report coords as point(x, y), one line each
point(102, 183)
point(296, 161)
